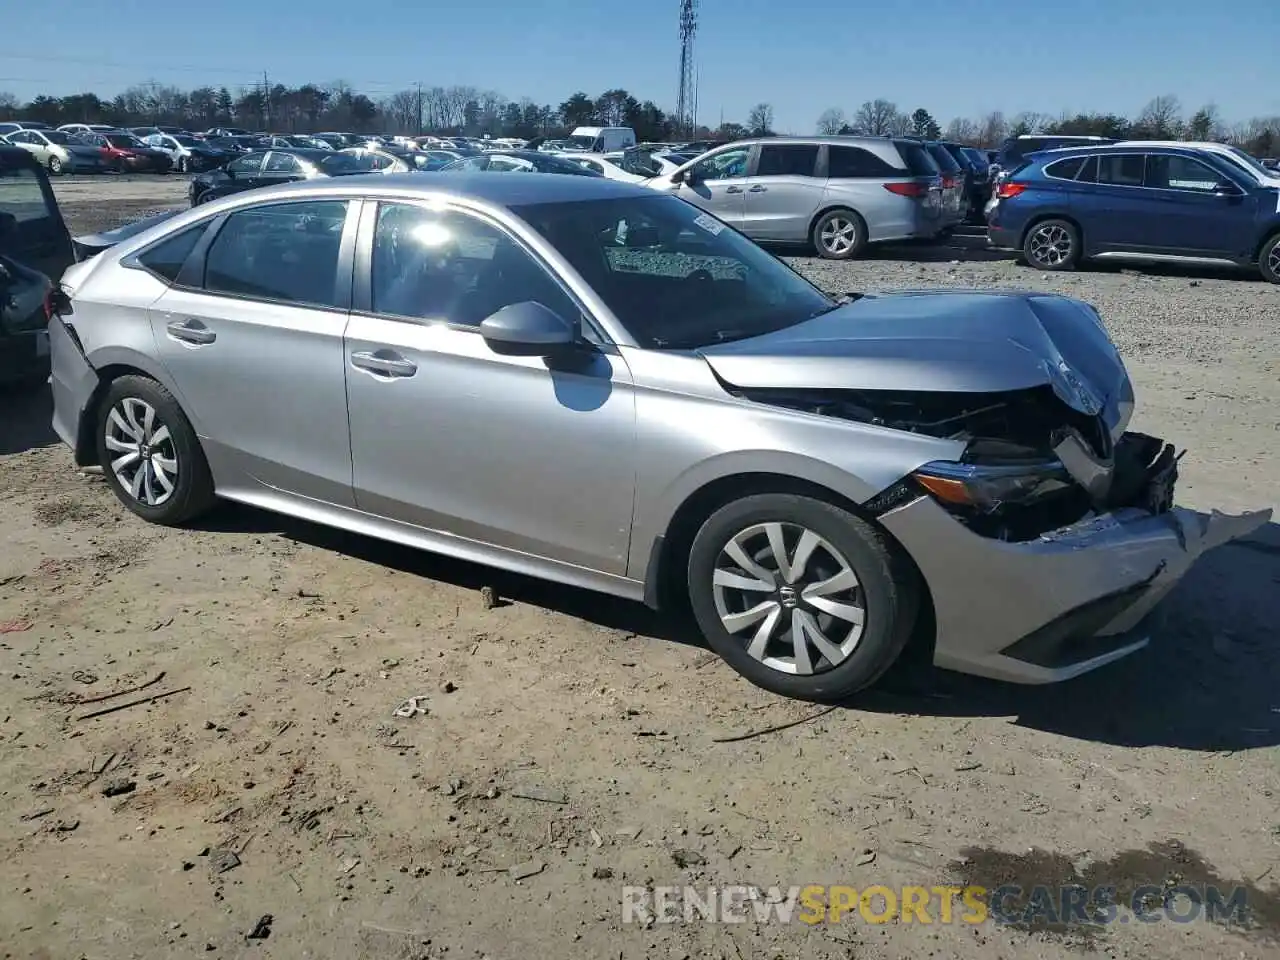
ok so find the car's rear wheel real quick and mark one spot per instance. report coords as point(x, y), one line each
point(183, 164)
point(800, 596)
point(55, 166)
point(1052, 245)
point(1269, 260)
point(839, 235)
point(150, 454)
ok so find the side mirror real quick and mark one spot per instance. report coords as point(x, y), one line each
point(528, 329)
point(1228, 190)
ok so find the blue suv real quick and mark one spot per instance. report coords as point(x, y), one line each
point(1174, 204)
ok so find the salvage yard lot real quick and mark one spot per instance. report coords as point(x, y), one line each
point(572, 744)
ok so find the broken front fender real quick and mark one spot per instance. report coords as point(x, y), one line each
point(1061, 605)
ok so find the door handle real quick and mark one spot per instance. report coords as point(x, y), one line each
point(191, 331)
point(758, 189)
point(388, 365)
point(732, 189)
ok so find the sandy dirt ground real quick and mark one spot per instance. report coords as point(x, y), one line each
point(571, 745)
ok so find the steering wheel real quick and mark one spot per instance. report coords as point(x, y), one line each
point(699, 276)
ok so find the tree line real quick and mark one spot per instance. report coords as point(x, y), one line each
point(470, 111)
point(311, 108)
point(1162, 118)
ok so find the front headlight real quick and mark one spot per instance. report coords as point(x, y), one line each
point(987, 488)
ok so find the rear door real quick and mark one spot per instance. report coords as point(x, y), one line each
point(1197, 210)
point(1119, 212)
point(251, 332)
point(38, 237)
point(784, 193)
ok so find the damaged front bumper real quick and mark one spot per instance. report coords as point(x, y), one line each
point(1060, 605)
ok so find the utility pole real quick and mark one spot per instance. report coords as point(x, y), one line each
point(266, 101)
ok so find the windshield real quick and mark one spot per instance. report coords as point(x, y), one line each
point(187, 141)
point(676, 277)
point(1254, 165)
point(943, 158)
point(57, 136)
point(124, 140)
point(549, 164)
point(22, 196)
point(580, 142)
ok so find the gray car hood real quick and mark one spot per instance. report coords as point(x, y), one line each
point(954, 341)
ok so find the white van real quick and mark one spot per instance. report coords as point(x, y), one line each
point(601, 139)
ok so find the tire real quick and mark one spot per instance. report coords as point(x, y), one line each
point(883, 594)
point(55, 166)
point(1269, 260)
point(183, 164)
point(203, 198)
point(169, 453)
point(839, 235)
point(1052, 245)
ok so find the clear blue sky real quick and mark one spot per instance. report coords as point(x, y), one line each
point(802, 56)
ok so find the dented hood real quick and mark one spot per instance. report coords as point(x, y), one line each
point(954, 341)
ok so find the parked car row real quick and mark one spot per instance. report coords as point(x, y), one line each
point(1179, 202)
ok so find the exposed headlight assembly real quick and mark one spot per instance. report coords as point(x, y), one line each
point(987, 488)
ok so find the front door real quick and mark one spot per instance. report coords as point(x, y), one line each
point(252, 337)
point(514, 452)
point(718, 182)
point(1198, 211)
point(783, 193)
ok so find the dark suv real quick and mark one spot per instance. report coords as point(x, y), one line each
point(35, 248)
point(1139, 202)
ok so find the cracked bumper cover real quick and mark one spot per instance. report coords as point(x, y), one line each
point(1053, 608)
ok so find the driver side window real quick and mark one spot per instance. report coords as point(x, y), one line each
point(250, 164)
point(726, 165)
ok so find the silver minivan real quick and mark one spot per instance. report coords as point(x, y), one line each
point(837, 193)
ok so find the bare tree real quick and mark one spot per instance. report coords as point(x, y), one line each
point(831, 121)
point(1026, 123)
point(1161, 118)
point(993, 129)
point(760, 119)
point(876, 118)
point(962, 130)
point(8, 105)
point(402, 109)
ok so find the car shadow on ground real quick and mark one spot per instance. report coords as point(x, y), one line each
point(26, 417)
point(1209, 682)
point(596, 608)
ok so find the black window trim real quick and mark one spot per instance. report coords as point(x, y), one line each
point(1082, 159)
point(1146, 156)
point(133, 261)
point(362, 269)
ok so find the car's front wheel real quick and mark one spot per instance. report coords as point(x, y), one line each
point(183, 164)
point(1052, 245)
point(150, 454)
point(800, 596)
point(55, 166)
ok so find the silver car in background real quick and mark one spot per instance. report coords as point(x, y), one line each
point(589, 382)
point(59, 152)
point(836, 193)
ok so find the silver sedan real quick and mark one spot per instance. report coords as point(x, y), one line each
point(590, 382)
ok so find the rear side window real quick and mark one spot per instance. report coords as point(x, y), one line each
point(166, 258)
point(854, 162)
point(1067, 169)
point(1121, 170)
point(788, 160)
point(283, 251)
point(22, 195)
point(943, 158)
point(916, 158)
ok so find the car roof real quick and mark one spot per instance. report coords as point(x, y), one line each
point(499, 189)
point(1107, 149)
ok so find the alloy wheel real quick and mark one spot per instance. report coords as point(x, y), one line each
point(144, 461)
point(1051, 245)
point(790, 597)
point(1273, 260)
point(838, 235)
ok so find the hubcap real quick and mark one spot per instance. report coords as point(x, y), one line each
point(790, 597)
point(1051, 245)
point(839, 235)
point(145, 460)
point(1273, 260)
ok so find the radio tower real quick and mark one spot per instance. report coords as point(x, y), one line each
point(686, 99)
